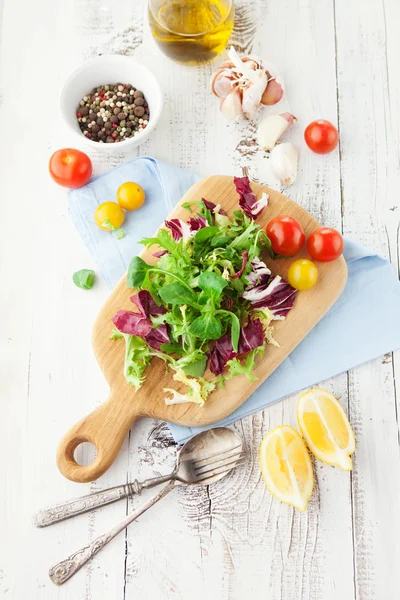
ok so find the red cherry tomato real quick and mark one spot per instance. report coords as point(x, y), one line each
point(321, 136)
point(286, 235)
point(70, 168)
point(325, 244)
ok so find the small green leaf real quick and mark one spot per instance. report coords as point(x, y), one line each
point(206, 327)
point(212, 283)
point(173, 348)
point(108, 225)
point(136, 272)
point(204, 234)
point(177, 293)
point(196, 369)
point(120, 234)
point(219, 241)
point(116, 334)
point(84, 279)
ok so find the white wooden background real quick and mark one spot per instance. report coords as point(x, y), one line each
point(232, 541)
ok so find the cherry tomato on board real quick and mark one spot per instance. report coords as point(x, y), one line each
point(286, 235)
point(109, 216)
point(303, 274)
point(70, 168)
point(325, 244)
point(130, 195)
point(321, 136)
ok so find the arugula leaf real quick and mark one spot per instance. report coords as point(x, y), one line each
point(165, 240)
point(136, 272)
point(212, 283)
point(84, 279)
point(176, 293)
point(206, 327)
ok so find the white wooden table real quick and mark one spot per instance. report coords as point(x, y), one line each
point(232, 541)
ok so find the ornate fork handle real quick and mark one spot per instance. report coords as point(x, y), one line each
point(65, 569)
point(84, 504)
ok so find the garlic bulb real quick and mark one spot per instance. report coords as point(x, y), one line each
point(251, 82)
point(283, 161)
point(271, 128)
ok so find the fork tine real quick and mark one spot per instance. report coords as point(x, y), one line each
point(211, 467)
point(219, 471)
point(216, 456)
point(218, 462)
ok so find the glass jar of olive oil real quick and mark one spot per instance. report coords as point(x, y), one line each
point(191, 31)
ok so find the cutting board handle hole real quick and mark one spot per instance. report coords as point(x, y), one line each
point(85, 454)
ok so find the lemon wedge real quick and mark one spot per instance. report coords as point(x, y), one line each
point(286, 466)
point(325, 428)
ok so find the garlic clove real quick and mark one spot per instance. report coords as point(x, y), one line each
point(271, 128)
point(289, 117)
point(283, 161)
point(231, 106)
point(214, 77)
point(226, 64)
point(221, 83)
point(273, 92)
point(253, 92)
point(250, 62)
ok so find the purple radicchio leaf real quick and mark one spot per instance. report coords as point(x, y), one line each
point(196, 223)
point(160, 253)
point(179, 229)
point(227, 303)
point(247, 198)
point(211, 206)
point(157, 337)
point(245, 258)
point(259, 272)
point(132, 323)
point(140, 323)
point(221, 352)
point(146, 304)
point(251, 336)
point(274, 293)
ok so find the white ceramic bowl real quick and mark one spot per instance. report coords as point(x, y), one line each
point(109, 70)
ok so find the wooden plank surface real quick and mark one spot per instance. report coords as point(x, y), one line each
point(231, 541)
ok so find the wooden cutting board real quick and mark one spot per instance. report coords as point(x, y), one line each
point(107, 426)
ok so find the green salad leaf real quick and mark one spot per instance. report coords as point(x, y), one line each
point(84, 279)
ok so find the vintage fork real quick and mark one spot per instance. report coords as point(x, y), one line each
point(186, 471)
point(201, 472)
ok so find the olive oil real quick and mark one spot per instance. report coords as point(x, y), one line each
point(191, 31)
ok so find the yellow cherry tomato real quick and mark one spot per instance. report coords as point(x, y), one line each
point(109, 216)
point(303, 274)
point(130, 195)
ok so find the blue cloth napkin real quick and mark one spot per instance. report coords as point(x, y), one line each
point(363, 324)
